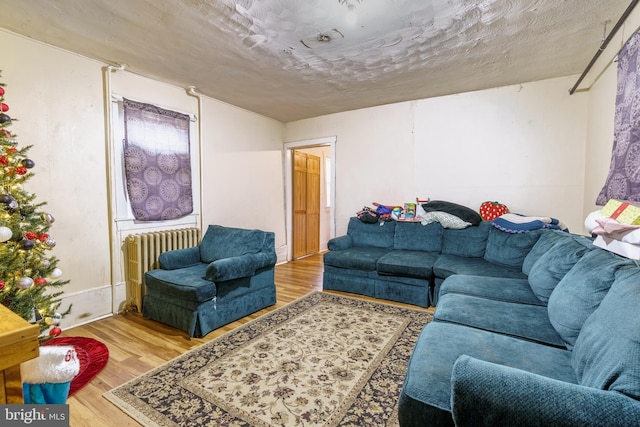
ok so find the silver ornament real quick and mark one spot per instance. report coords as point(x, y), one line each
point(49, 243)
point(48, 218)
point(5, 234)
point(25, 282)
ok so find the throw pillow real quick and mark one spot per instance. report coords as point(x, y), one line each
point(464, 213)
point(445, 219)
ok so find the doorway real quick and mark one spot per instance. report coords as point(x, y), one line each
point(310, 195)
point(306, 204)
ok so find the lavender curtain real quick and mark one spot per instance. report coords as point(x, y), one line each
point(157, 162)
point(623, 181)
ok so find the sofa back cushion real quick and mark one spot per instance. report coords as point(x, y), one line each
point(607, 352)
point(224, 242)
point(551, 267)
point(547, 239)
point(509, 249)
point(378, 235)
point(581, 290)
point(413, 236)
point(468, 242)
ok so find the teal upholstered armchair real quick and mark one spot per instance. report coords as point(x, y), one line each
point(228, 276)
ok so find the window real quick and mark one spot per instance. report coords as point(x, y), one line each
point(154, 149)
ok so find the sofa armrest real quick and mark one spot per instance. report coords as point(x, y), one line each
point(239, 266)
point(488, 394)
point(179, 258)
point(339, 243)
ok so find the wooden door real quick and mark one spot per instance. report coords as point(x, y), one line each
point(306, 204)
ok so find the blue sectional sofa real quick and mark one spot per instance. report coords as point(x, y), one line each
point(229, 275)
point(534, 329)
point(407, 261)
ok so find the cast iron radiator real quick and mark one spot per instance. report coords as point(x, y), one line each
point(142, 255)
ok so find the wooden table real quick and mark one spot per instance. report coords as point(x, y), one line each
point(18, 343)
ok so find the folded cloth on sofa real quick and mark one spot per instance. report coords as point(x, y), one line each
point(516, 223)
point(601, 225)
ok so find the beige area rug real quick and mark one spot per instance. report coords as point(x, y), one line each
point(323, 360)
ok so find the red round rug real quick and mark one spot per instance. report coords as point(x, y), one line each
point(92, 354)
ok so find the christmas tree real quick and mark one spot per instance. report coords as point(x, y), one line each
point(29, 279)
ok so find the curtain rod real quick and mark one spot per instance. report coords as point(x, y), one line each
point(119, 98)
point(604, 44)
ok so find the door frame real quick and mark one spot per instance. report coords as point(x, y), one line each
point(288, 184)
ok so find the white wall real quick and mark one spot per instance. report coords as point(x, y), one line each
point(58, 98)
point(523, 145)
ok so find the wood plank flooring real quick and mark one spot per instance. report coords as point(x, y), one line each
point(137, 345)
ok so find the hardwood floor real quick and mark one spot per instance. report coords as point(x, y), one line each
point(137, 345)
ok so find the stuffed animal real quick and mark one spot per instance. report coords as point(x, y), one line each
point(492, 210)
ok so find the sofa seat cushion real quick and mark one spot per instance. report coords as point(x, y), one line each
point(426, 394)
point(581, 290)
point(186, 284)
point(607, 352)
point(414, 236)
point(407, 263)
point(529, 322)
point(447, 265)
point(551, 267)
point(358, 258)
point(496, 288)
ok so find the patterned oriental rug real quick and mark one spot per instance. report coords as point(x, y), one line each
point(323, 360)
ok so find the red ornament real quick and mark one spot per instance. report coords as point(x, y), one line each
point(30, 235)
point(21, 170)
point(1, 91)
point(1, 285)
point(12, 150)
point(43, 237)
point(4, 107)
point(40, 281)
point(492, 210)
point(55, 331)
point(4, 161)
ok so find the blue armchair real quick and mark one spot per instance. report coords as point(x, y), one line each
point(228, 276)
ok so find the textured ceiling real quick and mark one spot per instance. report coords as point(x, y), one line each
point(294, 59)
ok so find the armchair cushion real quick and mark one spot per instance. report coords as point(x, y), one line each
point(236, 267)
point(225, 242)
point(488, 394)
point(179, 258)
